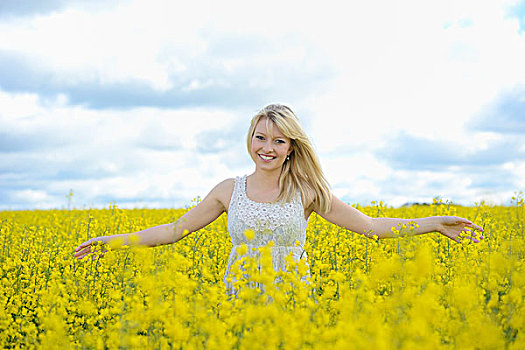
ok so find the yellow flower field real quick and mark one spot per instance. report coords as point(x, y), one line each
point(410, 292)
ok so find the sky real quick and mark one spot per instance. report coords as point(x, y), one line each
point(146, 104)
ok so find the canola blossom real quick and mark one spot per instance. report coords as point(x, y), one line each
point(402, 293)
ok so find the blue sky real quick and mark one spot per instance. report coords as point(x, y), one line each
point(146, 103)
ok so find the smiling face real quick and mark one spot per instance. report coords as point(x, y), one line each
point(269, 147)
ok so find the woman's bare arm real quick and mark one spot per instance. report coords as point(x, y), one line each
point(207, 211)
point(352, 219)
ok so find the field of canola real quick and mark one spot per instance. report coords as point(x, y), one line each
point(404, 293)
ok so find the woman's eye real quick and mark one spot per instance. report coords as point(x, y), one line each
point(259, 137)
point(279, 141)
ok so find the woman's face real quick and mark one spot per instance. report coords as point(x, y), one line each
point(269, 147)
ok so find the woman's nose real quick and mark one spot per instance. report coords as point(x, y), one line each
point(268, 146)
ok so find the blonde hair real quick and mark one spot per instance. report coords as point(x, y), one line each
point(302, 171)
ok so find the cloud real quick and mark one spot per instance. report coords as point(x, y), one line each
point(10, 9)
point(207, 82)
point(29, 7)
point(140, 156)
point(505, 114)
point(517, 11)
point(149, 101)
point(175, 62)
point(26, 141)
point(213, 141)
point(406, 151)
point(421, 168)
point(493, 183)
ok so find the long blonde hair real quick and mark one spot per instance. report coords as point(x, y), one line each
point(302, 171)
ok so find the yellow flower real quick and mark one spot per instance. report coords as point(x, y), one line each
point(417, 292)
point(249, 234)
point(134, 239)
point(242, 250)
point(116, 243)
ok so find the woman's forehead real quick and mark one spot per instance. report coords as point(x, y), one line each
point(266, 126)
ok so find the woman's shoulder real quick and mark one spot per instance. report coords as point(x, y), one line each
point(225, 185)
point(223, 191)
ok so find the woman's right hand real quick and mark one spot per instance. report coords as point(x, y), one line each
point(211, 207)
point(88, 247)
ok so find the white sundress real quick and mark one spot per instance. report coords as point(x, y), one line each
point(284, 224)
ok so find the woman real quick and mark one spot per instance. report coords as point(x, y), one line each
point(274, 203)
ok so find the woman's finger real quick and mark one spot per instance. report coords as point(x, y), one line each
point(479, 228)
point(472, 238)
point(464, 221)
point(86, 251)
point(467, 224)
point(83, 251)
point(81, 256)
point(82, 248)
point(469, 234)
point(472, 232)
point(87, 243)
point(82, 245)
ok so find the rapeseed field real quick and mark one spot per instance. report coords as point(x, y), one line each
point(403, 293)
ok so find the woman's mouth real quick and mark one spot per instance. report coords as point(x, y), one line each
point(266, 158)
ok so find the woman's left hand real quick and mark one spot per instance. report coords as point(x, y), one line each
point(453, 227)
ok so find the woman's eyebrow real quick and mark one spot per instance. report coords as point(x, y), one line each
point(274, 137)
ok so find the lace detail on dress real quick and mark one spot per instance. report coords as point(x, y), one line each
point(262, 216)
point(282, 223)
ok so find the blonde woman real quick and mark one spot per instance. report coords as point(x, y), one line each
point(275, 201)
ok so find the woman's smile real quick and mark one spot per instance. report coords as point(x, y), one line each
point(266, 158)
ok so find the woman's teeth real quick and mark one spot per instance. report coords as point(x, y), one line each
point(266, 157)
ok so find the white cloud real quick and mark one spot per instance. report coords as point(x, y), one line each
point(145, 153)
point(417, 79)
point(358, 73)
point(129, 41)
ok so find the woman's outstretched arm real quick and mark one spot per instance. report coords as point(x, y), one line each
point(204, 213)
point(352, 219)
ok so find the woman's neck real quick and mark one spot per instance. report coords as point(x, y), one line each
point(266, 180)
